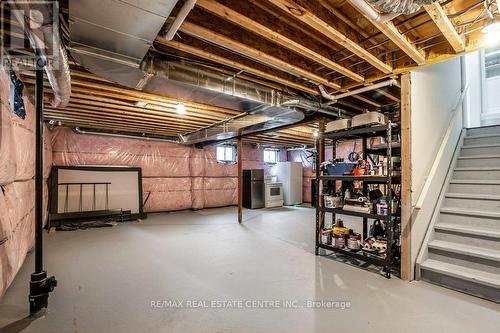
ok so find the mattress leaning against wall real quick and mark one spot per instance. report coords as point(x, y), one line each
point(17, 187)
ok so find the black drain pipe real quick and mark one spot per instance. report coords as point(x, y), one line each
point(40, 285)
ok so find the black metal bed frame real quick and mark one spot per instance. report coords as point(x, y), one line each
point(56, 218)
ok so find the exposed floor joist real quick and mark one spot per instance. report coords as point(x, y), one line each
point(243, 21)
point(389, 29)
point(438, 15)
point(257, 55)
point(324, 28)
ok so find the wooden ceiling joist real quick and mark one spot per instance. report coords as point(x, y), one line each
point(367, 100)
point(310, 19)
point(391, 31)
point(268, 33)
point(129, 118)
point(254, 54)
point(438, 15)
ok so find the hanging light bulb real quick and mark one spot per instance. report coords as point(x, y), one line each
point(181, 108)
point(315, 134)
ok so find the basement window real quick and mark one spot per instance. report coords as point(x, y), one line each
point(226, 154)
point(271, 156)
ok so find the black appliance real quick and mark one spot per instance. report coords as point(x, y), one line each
point(314, 198)
point(253, 188)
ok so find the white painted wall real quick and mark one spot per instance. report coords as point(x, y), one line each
point(473, 103)
point(482, 104)
point(435, 92)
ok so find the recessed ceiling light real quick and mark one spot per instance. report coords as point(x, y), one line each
point(181, 108)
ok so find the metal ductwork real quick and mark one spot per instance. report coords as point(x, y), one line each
point(112, 40)
point(399, 6)
point(43, 22)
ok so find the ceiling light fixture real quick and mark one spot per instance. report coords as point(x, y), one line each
point(181, 108)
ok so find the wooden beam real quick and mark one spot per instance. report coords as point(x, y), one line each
point(406, 179)
point(240, 180)
point(367, 100)
point(254, 54)
point(255, 27)
point(389, 29)
point(436, 12)
point(306, 17)
point(388, 95)
point(233, 64)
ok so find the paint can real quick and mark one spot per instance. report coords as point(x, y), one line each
point(340, 241)
point(354, 242)
point(326, 237)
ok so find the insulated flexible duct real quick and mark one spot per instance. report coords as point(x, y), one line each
point(399, 6)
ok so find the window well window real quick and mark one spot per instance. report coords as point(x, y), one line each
point(226, 154)
point(271, 156)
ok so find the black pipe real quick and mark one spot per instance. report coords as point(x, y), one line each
point(40, 285)
point(39, 172)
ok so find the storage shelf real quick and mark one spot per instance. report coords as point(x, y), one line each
point(367, 179)
point(370, 258)
point(366, 132)
point(341, 211)
point(396, 151)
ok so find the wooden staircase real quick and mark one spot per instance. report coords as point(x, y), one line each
point(463, 252)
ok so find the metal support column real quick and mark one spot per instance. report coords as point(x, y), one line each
point(40, 284)
point(320, 215)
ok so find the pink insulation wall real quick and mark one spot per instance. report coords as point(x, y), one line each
point(17, 192)
point(175, 177)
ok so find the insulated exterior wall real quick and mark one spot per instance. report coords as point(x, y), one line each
point(175, 177)
point(17, 186)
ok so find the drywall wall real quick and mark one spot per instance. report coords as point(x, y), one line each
point(435, 93)
point(17, 187)
point(175, 177)
point(473, 103)
point(482, 103)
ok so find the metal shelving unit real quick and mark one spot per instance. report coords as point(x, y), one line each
point(387, 261)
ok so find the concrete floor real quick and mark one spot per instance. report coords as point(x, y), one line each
point(108, 279)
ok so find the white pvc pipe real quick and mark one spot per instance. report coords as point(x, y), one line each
point(325, 94)
point(147, 138)
point(183, 13)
